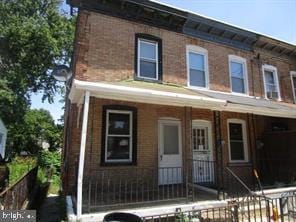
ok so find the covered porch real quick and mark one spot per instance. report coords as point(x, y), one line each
point(182, 151)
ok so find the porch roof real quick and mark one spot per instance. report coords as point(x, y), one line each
point(166, 94)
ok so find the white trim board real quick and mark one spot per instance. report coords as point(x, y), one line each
point(293, 75)
point(272, 69)
point(245, 140)
point(243, 62)
point(200, 51)
point(133, 94)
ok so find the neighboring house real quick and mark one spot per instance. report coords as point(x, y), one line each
point(165, 103)
point(3, 136)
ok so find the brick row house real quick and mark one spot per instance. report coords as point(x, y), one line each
point(166, 105)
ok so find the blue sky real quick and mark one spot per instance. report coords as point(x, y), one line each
point(276, 18)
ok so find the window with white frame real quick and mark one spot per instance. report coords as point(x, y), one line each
point(197, 67)
point(237, 140)
point(147, 59)
point(271, 84)
point(293, 79)
point(238, 74)
point(119, 136)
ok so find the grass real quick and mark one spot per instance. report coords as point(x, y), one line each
point(19, 166)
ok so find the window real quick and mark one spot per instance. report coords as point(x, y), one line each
point(237, 141)
point(238, 74)
point(119, 135)
point(197, 67)
point(271, 84)
point(148, 59)
point(293, 79)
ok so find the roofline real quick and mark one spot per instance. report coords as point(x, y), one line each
point(225, 23)
point(165, 16)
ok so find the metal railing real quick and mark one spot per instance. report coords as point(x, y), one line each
point(127, 186)
point(236, 186)
point(253, 208)
point(204, 172)
point(14, 197)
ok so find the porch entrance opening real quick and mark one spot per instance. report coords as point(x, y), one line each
point(170, 152)
point(203, 165)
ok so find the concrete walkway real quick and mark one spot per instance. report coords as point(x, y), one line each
point(50, 209)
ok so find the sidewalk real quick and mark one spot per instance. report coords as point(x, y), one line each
point(50, 210)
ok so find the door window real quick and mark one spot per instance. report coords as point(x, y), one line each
point(171, 139)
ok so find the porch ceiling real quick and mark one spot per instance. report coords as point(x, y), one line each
point(165, 94)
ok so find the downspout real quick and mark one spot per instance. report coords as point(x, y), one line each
point(82, 154)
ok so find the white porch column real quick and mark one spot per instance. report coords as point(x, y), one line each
point(82, 154)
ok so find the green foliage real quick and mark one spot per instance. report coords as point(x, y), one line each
point(19, 166)
point(34, 37)
point(47, 159)
point(37, 128)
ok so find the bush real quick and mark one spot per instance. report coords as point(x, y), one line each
point(47, 159)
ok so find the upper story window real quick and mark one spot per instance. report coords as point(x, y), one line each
point(271, 83)
point(293, 79)
point(238, 74)
point(148, 59)
point(237, 140)
point(197, 67)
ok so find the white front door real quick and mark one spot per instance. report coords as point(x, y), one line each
point(203, 165)
point(169, 152)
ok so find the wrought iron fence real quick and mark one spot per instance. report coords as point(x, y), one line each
point(14, 197)
point(127, 186)
point(204, 172)
point(281, 208)
point(235, 186)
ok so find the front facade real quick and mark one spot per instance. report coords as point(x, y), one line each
point(164, 103)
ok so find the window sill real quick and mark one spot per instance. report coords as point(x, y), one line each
point(240, 163)
point(110, 164)
point(136, 78)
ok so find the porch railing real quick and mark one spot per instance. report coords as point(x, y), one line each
point(127, 186)
point(235, 186)
point(204, 173)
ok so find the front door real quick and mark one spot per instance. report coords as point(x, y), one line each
point(203, 165)
point(169, 152)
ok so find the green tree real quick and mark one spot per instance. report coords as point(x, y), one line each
point(34, 36)
point(37, 130)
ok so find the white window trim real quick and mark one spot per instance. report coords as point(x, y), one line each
point(243, 61)
point(130, 136)
point(245, 138)
point(139, 58)
point(200, 51)
point(272, 69)
point(293, 74)
point(208, 124)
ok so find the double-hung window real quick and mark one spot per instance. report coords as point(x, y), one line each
point(148, 57)
point(293, 79)
point(238, 74)
point(119, 130)
point(237, 140)
point(197, 67)
point(271, 84)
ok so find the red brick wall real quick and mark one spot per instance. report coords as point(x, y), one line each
point(105, 48)
point(147, 145)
